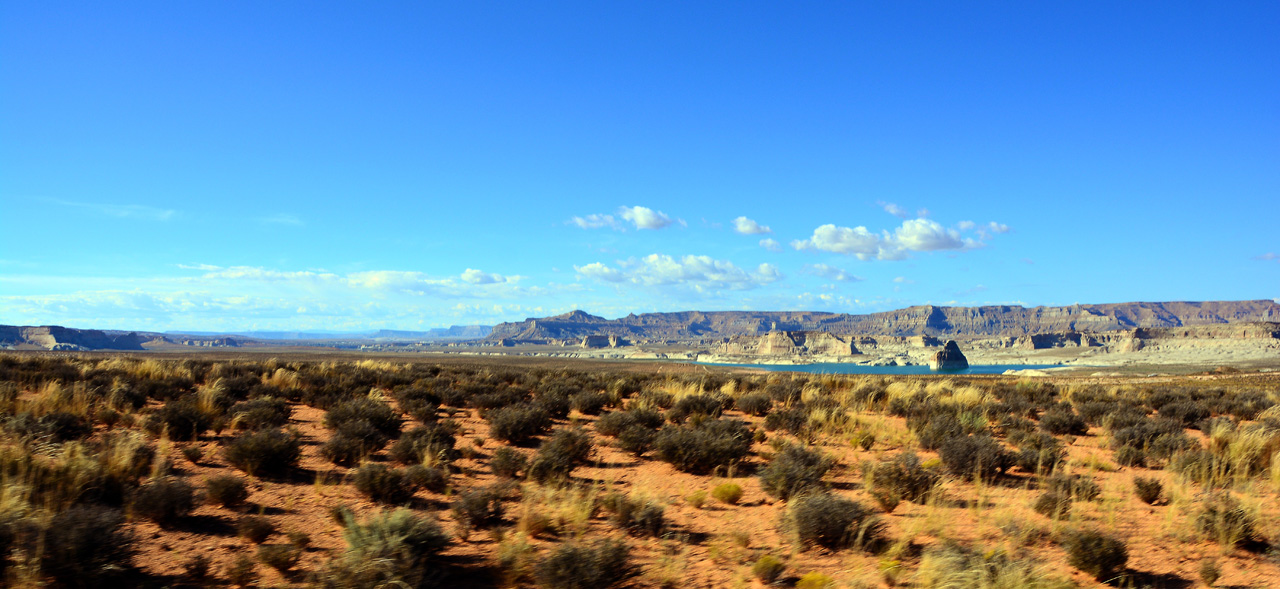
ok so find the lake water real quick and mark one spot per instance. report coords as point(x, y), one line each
point(838, 368)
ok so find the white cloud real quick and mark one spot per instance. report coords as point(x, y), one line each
point(998, 227)
point(893, 209)
point(701, 273)
point(120, 211)
point(915, 235)
point(831, 273)
point(747, 226)
point(281, 219)
point(903, 280)
point(771, 244)
point(594, 221)
point(1267, 257)
point(473, 276)
point(644, 217)
point(965, 225)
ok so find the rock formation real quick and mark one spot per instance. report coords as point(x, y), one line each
point(949, 358)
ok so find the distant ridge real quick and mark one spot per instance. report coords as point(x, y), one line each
point(1001, 320)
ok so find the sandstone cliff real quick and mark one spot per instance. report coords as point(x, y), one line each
point(52, 337)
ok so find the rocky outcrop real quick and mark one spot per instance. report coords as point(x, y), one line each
point(925, 320)
point(53, 337)
point(949, 358)
point(603, 341)
point(787, 344)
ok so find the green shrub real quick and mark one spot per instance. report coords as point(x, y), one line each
point(952, 567)
point(794, 470)
point(815, 580)
point(637, 439)
point(728, 493)
point(794, 420)
point(1073, 486)
point(613, 423)
point(1131, 456)
point(1148, 490)
point(281, 557)
point(383, 484)
point(267, 412)
point(430, 478)
point(755, 403)
point(377, 414)
point(431, 444)
point(164, 500)
point(1209, 571)
point(706, 405)
point(1226, 522)
point(834, 522)
point(389, 549)
point(255, 529)
point(1096, 553)
point(193, 454)
point(264, 452)
point(980, 456)
point(589, 402)
point(768, 569)
point(901, 478)
point(1038, 452)
point(572, 566)
point(706, 446)
point(478, 509)
point(507, 463)
point(559, 455)
point(1053, 505)
point(637, 517)
point(242, 571)
point(344, 449)
point(85, 546)
point(518, 424)
point(182, 419)
point(1061, 420)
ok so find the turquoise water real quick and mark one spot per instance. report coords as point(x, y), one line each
point(838, 368)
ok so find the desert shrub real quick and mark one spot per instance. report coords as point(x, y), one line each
point(815, 580)
point(61, 426)
point(164, 500)
point(1038, 452)
point(639, 517)
point(507, 463)
point(1096, 553)
point(1209, 571)
point(703, 447)
point(264, 452)
point(389, 549)
point(952, 567)
point(559, 455)
point(347, 450)
point(794, 470)
point(383, 484)
point(1053, 505)
point(193, 454)
point(980, 456)
point(901, 478)
point(727, 493)
point(1123, 417)
point(834, 522)
point(267, 412)
point(793, 420)
point(1187, 413)
point(637, 439)
point(477, 509)
point(589, 402)
point(518, 424)
point(1225, 521)
point(707, 405)
point(85, 546)
point(1148, 490)
point(376, 413)
point(653, 398)
point(430, 478)
point(1073, 486)
point(768, 569)
point(755, 403)
point(281, 557)
point(1144, 433)
point(300, 539)
point(430, 444)
point(611, 424)
point(784, 392)
point(1061, 420)
point(242, 571)
point(255, 529)
point(574, 566)
point(182, 419)
point(1130, 456)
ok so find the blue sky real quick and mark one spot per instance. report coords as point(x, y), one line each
point(235, 166)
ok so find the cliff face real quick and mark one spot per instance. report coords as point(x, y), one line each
point(63, 338)
point(787, 344)
point(1004, 320)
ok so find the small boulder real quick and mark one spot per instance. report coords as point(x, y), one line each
point(949, 358)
